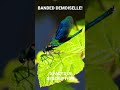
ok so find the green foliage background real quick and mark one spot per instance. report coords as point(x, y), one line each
point(102, 46)
point(9, 80)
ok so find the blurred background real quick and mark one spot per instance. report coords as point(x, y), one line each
point(17, 28)
point(102, 41)
point(17, 31)
point(103, 47)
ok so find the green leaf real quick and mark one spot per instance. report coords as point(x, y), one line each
point(61, 86)
point(75, 80)
point(98, 79)
point(66, 58)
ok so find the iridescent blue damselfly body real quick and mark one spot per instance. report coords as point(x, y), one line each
point(65, 27)
point(63, 32)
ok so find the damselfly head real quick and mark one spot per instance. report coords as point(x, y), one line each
point(47, 48)
point(27, 54)
point(22, 59)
